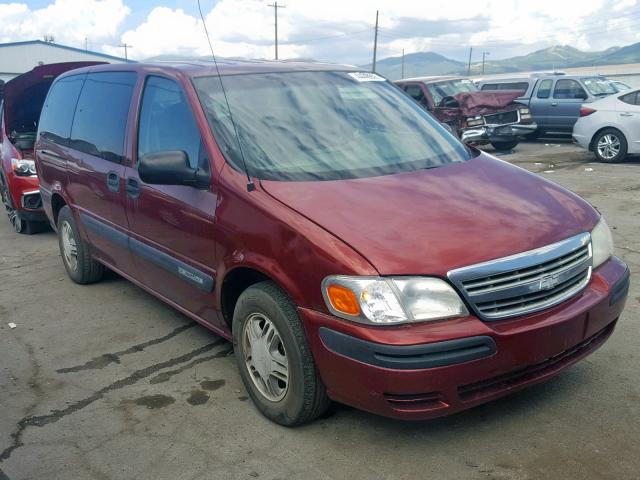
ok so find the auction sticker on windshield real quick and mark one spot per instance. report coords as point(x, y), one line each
point(366, 77)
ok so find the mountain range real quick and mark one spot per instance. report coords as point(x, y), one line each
point(431, 63)
point(555, 57)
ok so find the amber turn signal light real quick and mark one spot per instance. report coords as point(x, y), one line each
point(343, 299)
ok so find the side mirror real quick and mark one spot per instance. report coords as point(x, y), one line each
point(171, 168)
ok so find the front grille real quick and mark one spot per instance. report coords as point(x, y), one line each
point(526, 282)
point(501, 118)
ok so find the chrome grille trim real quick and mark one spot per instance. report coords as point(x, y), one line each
point(502, 118)
point(526, 282)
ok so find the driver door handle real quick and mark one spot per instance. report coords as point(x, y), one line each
point(626, 114)
point(554, 104)
point(133, 187)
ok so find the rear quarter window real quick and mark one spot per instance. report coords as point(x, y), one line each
point(631, 98)
point(57, 113)
point(101, 115)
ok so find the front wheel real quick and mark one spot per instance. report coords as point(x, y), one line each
point(274, 358)
point(505, 146)
point(610, 146)
point(18, 224)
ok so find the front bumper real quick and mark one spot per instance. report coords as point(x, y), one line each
point(496, 133)
point(433, 369)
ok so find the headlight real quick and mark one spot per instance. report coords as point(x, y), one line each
point(23, 168)
point(384, 301)
point(525, 114)
point(601, 243)
point(474, 121)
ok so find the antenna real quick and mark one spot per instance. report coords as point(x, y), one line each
point(250, 185)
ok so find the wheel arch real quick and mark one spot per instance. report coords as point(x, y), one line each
point(57, 202)
point(235, 281)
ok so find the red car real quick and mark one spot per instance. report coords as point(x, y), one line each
point(350, 246)
point(19, 112)
point(477, 117)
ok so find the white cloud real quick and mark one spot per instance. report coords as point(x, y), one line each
point(68, 21)
point(333, 30)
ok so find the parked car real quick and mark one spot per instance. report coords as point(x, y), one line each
point(23, 98)
point(350, 246)
point(554, 100)
point(476, 117)
point(610, 127)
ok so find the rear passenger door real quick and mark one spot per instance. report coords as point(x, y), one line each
point(96, 163)
point(540, 105)
point(568, 97)
point(172, 226)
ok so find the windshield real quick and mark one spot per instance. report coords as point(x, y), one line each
point(449, 88)
point(599, 86)
point(323, 126)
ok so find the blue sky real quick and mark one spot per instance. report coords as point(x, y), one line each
point(330, 30)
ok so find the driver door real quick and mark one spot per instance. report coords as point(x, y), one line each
point(172, 226)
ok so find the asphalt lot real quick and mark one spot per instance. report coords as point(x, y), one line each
point(106, 382)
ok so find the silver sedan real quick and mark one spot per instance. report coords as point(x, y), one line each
point(610, 127)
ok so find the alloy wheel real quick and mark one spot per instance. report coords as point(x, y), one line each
point(69, 247)
point(14, 219)
point(265, 357)
point(608, 146)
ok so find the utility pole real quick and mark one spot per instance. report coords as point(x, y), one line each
point(86, 43)
point(375, 44)
point(469, 67)
point(275, 12)
point(402, 76)
point(126, 52)
point(483, 55)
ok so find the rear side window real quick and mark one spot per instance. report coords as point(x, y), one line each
point(631, 98)
point(522, 86)
point(57, 113)
point(415, 92)
point(101, 115)
point(569, 89)
point(167, 123)
point(544, 90)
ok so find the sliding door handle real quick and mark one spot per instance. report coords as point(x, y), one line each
point(113, 181)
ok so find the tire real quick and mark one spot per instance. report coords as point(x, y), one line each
point(18, 224)
point(534, 135)
point(610, 146)
point(504, 146)
point(304, 397)
point(84, 269)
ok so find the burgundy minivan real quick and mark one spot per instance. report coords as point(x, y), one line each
point(351, 247)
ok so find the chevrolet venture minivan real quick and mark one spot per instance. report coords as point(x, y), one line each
point(350, 246)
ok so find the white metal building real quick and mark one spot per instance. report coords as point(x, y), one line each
point(20, 57)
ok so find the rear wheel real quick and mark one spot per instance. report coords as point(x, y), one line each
point(534, 135)
point(76, 253)
point(610, 146)
point(17, 223)
point(504, 146)
point(274, 358)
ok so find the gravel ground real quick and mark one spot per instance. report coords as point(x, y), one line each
point(106, 382)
